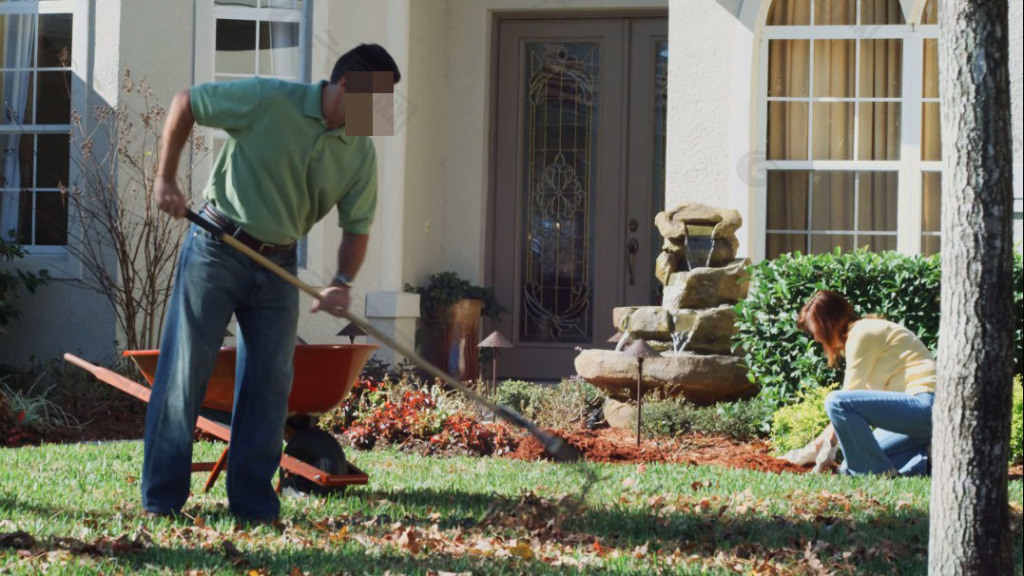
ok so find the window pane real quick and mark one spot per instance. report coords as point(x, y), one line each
point(787, 131)
point(779, 244)
point(24, 145)
point(16, 45)
point(25, 210)
point(931, 13)
point(788, 68)
point(931, 245)
point(279, 49)
point(821, 243)
point(833, 131)
point(880, 128)
point(236, 47)
point(835, 65)
point(931, 133)
point(787, 200)
point(295, 4)
point(53, 158)
point(54, 40)
point(931, 68)
point(18, 97)
point(931, 202)
point(881, 69)
point(881, 12)
point(877, 243)
point(790, 13)
point(16, 85)
point(835, 12)
point(53, 105)
point(249, 3)
point(877, 201)
point(51, 219)
point(832, 202)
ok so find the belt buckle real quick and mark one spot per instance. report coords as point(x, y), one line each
point(265, 248)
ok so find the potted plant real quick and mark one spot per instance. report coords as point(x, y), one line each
point(450, 312)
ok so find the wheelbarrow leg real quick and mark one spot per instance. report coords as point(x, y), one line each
point(217, 469)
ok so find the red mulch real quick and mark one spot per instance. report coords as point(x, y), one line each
point(619, 446)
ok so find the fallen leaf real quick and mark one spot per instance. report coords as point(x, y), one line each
point(520, 549)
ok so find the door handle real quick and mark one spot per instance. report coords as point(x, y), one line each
point(632, 249)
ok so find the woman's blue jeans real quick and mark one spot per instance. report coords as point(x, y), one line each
point(213, 281)
point(881, 432)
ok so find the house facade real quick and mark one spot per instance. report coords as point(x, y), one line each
point(535, 140)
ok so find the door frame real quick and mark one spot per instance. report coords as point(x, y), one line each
point(491, 163)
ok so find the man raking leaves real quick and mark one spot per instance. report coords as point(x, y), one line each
point(287, 162)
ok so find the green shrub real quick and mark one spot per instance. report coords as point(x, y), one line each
point(568, 404)
point(784, 361)
point(667, 417)
point(523, 397)
point(564, 405)
point(797, 425)
point(1017, 436)
point(743, 420)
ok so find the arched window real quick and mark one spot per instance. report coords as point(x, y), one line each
point(850, 127)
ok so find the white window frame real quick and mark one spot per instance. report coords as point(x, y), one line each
point(57, 259)
point(910, 166)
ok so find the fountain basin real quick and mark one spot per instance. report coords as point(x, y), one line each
point(702, 379)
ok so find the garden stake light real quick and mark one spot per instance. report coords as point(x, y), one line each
point(640, 350)
point(555, 446)
point(494, 342)
point(352, 331)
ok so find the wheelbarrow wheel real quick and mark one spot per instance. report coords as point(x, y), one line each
point(318, 448)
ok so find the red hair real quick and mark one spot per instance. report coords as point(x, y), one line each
point(827, 317)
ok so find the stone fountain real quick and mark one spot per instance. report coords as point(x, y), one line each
point(694, 326)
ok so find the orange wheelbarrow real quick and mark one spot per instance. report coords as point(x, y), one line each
point(313, 461)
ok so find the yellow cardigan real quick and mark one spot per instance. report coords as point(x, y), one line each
point(886, 357)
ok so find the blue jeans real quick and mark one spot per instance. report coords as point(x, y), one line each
point(214, 280)
point(902, 431)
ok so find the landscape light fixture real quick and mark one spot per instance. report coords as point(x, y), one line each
point(641, 351)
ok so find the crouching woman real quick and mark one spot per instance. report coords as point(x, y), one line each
point(882, 417)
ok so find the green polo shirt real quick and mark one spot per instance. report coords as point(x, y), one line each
point(281, 171)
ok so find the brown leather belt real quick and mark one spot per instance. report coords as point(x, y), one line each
point(232, 229)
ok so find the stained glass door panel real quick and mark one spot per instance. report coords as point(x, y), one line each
point(563, 187)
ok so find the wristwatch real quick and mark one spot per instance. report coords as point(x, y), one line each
point(342, 280)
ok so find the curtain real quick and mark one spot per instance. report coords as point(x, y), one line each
point(17, 38)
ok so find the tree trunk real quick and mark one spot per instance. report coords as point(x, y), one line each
point(969, 511)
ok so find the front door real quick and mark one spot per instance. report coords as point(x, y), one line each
point(579, 176)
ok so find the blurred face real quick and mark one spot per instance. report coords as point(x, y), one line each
point(369, 103)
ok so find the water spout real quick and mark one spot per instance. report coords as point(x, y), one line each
point(622, 341)
point(680, 340)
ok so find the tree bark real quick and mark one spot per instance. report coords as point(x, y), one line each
point(969, 511)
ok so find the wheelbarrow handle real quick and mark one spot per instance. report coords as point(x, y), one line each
point(554, 445)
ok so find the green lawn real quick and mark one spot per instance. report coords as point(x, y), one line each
point(80, 507)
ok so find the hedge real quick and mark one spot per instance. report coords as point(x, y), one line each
point(785, 362)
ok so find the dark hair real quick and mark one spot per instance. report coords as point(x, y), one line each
point(827, 317)
point(365, 58)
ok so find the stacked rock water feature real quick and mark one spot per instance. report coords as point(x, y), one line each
point(694, 326)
